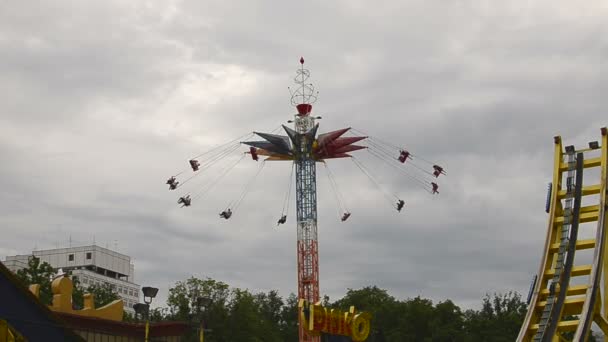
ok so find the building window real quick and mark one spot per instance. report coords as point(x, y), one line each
point(70, 257)
point(89, 255)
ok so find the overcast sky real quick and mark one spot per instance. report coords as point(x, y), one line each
point(101, 101)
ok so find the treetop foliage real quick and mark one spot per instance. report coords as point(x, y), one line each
point(235, 315)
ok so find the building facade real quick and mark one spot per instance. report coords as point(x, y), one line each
point(91, 265)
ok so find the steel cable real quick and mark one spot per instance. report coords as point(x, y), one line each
point(371, 178)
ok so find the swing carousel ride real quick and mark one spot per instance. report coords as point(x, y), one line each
point(304, 148)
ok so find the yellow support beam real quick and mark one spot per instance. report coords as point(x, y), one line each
point(583, 218)
point(561, 326)
point(591, 162)
point(590, 209)
point(572, 306)
point(576, 290)
point(601, 322)
point(580, 244)
point(9, 334)
point(587, 190)
point(576, 271)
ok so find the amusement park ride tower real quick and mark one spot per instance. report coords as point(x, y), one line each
point(304, 148)
point(306, 194)
point(305, 151)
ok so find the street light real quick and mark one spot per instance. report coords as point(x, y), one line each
point(201, 302)
point(140, 309)
point(149, 294)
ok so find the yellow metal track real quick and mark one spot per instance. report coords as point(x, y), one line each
point(577, 297)
point(9, 334)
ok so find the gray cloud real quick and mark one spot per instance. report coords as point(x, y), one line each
point(103, 101)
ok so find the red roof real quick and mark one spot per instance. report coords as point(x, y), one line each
point(157, 329)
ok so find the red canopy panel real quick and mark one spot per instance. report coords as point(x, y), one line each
point(339, 142)
point(338, 155)
point(348, 148)
point(328, 137)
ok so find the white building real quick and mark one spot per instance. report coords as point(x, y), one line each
point(91, 265)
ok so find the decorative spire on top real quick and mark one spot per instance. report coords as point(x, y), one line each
point(304, 95)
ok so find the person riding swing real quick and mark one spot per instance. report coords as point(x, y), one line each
point(226, 214)
point(185, 201)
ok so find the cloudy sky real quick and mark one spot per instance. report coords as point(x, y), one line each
point(102, 101)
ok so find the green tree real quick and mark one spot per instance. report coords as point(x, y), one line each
point(245, 319)
point(499, 319)
point(184, 299)
point(77, 294)
point(289, 319)
point(383, 307)
point(104, 294)
point(127, 317)
point(447, 323)
point(159, 314)
point(269, 307)
point(41, 273)
point(414, 321)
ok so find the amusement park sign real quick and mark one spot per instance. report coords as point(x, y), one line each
point(316, 319)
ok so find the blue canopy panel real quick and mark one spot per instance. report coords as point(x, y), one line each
point(293, 136)
point(268, 146)
point(280, 141)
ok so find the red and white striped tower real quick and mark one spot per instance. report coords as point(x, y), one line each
point(306, 195)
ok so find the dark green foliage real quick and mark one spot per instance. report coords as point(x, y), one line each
point(38, 273)
point(447, 323)
point(385, 310)
point(232, 315)
point(77, 294)
point(183, 305)
point(104, 294)
point(238, 315)
point(289, 319)
point(499, 319)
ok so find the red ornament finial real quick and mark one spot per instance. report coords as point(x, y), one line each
point(302, 60)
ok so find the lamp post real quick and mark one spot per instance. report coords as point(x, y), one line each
point(201, 302)
point(149, 294)
point(140, 310)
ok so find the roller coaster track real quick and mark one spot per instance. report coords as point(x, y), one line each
point(567, 297)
